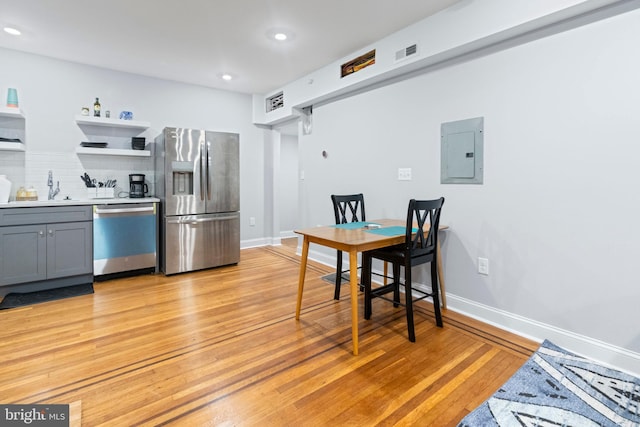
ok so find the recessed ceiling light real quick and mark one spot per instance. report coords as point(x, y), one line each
point(12, 31)
point(226, 76)
point(280, 34)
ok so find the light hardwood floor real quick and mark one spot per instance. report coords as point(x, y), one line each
point(221, 347)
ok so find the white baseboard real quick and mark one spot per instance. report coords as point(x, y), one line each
point(288, 234)
point(254, 243)
point(607, 354)
point(323, 258)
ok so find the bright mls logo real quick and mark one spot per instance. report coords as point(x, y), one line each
point(34, 415)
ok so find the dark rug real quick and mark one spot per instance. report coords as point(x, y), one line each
point(13, 300)
point(331, 278)
point(559, 388)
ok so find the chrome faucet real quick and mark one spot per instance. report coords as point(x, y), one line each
point(52, 192)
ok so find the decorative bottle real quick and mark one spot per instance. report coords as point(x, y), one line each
point(96, 108)
point(5, 189)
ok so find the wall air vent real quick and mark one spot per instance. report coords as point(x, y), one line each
point(406, 52)
point(275, 101)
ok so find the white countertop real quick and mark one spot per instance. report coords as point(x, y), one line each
point(76, 202)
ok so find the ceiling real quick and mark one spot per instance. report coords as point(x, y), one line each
point(196, 41)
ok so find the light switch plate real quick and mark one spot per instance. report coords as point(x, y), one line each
point(404, 174)
point(483, 266)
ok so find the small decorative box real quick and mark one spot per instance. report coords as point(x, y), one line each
point(101, 192)
point(138, 142)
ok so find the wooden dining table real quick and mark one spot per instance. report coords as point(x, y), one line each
point(352, 239)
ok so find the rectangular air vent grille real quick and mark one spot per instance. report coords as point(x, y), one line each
point(275, 101)
point(406, 52)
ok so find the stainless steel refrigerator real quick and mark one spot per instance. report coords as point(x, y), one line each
point(197, 180)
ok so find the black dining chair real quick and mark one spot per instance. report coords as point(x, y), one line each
point(347, 208)
point(419, 247)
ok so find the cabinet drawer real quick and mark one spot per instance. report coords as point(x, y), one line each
point(45, 215)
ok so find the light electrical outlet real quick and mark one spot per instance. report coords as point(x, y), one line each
point(252, 221)
point(483, 266)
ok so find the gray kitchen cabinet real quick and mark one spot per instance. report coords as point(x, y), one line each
point(23, 253)
point(42, 248)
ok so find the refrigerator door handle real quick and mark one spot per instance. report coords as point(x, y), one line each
point(203, 154)
point(201, 220)
point(208, 145)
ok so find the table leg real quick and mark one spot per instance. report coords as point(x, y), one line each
point(443, 295)
point(353, 275)
point(303, 270)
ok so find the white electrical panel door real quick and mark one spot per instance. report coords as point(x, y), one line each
point(460, 155)
point(461, 152)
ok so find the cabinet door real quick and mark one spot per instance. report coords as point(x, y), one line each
point(23, 254)
point(69, 249)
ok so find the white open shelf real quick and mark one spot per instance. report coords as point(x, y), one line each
point(12, 125)
point(135, 127)
point(11, 146)
point(113, 152)
point(112, 123)
point(15, 113)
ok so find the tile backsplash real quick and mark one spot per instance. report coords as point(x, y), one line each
point(31, 169)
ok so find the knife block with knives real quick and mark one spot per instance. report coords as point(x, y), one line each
point(99, 190)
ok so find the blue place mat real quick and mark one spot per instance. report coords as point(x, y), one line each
point(395, 230)
point(353, 225)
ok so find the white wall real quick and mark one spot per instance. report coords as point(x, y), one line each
point(557, 213)
point(52, 92)
point(288, 178)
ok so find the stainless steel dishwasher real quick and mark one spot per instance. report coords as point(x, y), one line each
point(124, 239)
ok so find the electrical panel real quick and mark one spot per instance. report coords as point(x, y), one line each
point(462, 151)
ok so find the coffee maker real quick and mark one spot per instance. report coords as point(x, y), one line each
point(137, 187)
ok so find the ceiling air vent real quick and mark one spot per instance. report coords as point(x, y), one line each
point(275, 101)
point(406, 52)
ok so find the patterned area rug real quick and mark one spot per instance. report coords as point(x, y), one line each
point(558, 388)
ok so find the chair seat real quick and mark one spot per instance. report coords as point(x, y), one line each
point(388, 254)
point(398, 253)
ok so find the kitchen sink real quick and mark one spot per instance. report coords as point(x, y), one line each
point(27, 203)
